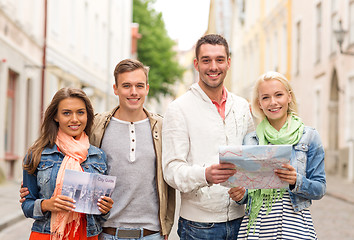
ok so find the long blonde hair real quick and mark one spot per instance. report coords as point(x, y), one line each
point(49, 127)
point(256, 110)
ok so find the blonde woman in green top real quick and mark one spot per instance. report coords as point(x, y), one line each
point(282, 213)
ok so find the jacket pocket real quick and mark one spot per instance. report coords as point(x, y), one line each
point(95, 167)
point(301, 152)
point(301, 157)
point(44, 171)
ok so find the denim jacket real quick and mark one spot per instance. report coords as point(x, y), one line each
point(307, 157)
point(42, 183)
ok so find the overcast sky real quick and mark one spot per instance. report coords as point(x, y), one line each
point(185, 20)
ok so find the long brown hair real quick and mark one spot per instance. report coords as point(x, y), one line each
point(49, 127)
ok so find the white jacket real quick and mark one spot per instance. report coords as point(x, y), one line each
point(192, 132)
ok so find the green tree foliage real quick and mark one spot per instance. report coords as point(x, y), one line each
point(155, 49)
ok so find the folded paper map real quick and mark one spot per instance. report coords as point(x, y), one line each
point(255, 165)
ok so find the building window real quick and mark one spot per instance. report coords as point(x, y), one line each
point(29, 106)
point(318, 109)
point(351, 108)
point(267, 56)
point(334, 26)
point(96, 42)
point(351, 22)
point(10, 116)
point(241, 10)
point(54, 18)
point(334, 5)
point(86, 38)
point(318, 32)
point(298, 47)
point(284, 51)
point(73, 25)
point(275, 52)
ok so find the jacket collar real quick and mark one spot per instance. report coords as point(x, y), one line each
point(197, 90)
point(151, 116)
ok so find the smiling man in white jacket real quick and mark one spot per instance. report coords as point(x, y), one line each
point(195, 125)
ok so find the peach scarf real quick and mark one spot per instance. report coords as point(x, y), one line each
point(75, 151)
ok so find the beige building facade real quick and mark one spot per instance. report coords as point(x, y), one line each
point(260, 41)
point(323, 78)
point(296, 38)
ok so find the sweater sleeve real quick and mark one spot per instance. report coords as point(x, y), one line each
point(178, 172)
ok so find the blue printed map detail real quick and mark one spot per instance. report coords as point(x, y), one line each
point(255, 165)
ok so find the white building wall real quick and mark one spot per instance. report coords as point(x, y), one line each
point(20, 52)
point(87, 47)
point(85, 41)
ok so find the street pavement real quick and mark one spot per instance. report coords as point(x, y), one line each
point(333, 215)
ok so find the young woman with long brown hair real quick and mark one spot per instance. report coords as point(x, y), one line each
point(63, 144)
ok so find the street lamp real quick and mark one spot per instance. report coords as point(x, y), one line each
point(340, 34)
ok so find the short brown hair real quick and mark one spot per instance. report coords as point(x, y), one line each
point(129, 65)
point(213, 39)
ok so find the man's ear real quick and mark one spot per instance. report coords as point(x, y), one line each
point(195, 62)
point(115, 89)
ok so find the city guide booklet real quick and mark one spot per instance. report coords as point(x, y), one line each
point(255, 165)
point(86, 188)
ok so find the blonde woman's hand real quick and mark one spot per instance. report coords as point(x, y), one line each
point(288, 175)
point(105, 204)
point(237, 193)
point(58, 203)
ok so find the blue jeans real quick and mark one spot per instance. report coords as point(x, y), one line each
point(189, 230)
point(105, 236)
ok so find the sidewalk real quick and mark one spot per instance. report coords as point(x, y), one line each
point(11, 211)
point(340, 188)
point(10, 207)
